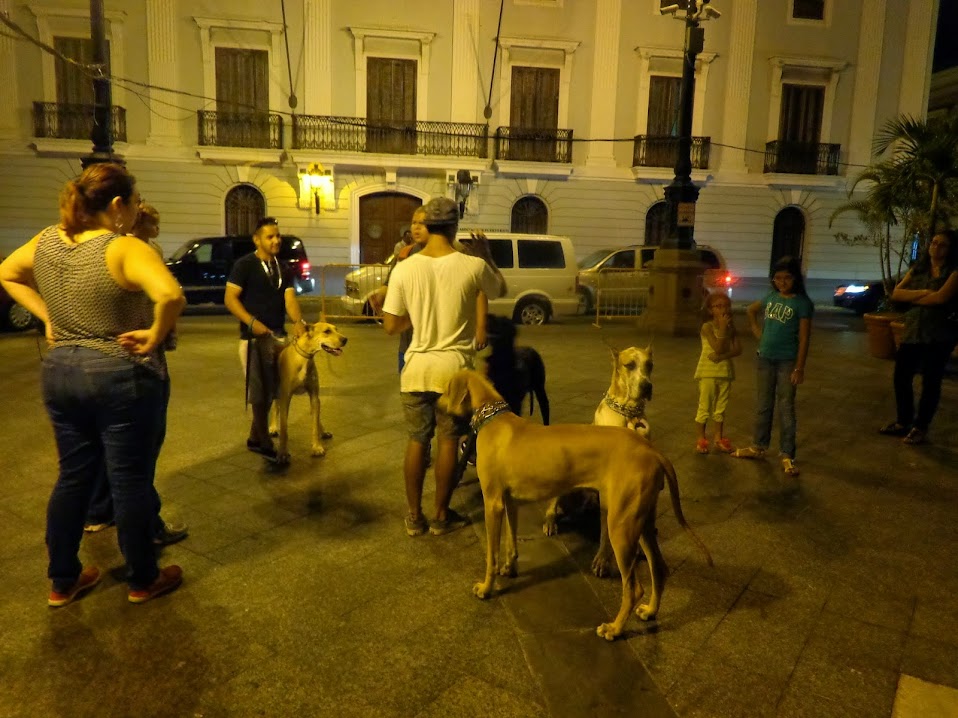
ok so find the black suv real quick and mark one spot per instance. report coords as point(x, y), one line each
point(202, 266)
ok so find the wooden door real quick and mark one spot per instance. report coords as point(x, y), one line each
point(242, 97)
point(382, 218)
point(788, 235)
point(534, 113)
point(391, 105)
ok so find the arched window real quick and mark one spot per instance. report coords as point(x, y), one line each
point(245, 206)
point(530, 216)
point(657, 224)
point(788, 235)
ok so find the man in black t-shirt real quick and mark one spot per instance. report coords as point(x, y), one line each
point(260, 293)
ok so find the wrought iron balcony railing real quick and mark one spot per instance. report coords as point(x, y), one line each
point(63, 121)
point(663, 151)
point(263, 130)
point(357, 134)
point(542, 145)
point(802, 158)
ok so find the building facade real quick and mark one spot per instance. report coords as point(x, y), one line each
point(342, 120)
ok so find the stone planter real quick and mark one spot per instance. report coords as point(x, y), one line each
point(881, 340)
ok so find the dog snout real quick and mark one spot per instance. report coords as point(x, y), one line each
point(343, 340)
point(645, 390)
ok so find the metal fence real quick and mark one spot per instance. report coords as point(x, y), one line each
point(620, 293)
point(532, 145)
point(653, 151)
point(803, 158)
point(356, 134)
point(65, 121)
point(262, 130)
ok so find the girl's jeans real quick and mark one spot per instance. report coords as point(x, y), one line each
point(106, 412)
point(774, 386)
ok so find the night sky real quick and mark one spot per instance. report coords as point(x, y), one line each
point(946, 44)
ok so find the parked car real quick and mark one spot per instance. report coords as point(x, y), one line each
point(539, 270)
point(626, 271)
point(202, 266)
point(860, 297)
point(12, 315)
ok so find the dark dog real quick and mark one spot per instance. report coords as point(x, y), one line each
point(515, 371)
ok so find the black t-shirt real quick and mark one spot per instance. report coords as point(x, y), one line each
point(259, 294)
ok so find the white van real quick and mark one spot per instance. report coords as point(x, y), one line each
point(540, 272)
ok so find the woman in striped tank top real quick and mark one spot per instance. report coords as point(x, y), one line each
point(108, 301)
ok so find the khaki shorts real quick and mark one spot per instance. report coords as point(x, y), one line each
point(425, 418)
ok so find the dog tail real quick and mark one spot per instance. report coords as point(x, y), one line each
point(677, 507)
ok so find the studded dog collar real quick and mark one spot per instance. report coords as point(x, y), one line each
point(486, 413)
point(634, 411)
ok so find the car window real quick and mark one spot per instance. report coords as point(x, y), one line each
point(182, 251)
point(292, 248)
point(204, 252)
point(539, 254)
point(647, 256)
point(621, 260)
point(221, 252)
point(501, 250)
point(242, 247)
point(593, 259)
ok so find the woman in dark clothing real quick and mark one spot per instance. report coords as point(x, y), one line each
point(108, 302)
point(931, 331)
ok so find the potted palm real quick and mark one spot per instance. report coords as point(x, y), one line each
point(909, 193)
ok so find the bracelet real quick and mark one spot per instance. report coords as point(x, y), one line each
point(249, 327)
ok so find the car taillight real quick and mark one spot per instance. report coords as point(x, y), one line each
point(728, 279)
point(304, 269)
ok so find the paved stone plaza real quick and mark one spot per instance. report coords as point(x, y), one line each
point(832, 594)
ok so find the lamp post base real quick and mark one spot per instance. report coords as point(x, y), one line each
point(676, 293)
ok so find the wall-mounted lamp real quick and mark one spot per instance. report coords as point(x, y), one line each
point(317, 182)
point(464, 183)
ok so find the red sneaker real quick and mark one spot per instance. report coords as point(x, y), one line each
point(169, 578)
point(89, 577)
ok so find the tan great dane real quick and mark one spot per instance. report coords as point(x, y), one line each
point(298, 375)
point(623, 405)
point(518, 460)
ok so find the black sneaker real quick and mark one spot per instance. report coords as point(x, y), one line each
point(453, 522)
point(170, 534)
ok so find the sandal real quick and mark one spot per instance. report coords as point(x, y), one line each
point(893, 429)
point(702, 446)
point(749, 452)
point(723, 445)
point(788, 466)
point(914, 437)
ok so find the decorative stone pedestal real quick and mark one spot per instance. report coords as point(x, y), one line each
point(676, 293)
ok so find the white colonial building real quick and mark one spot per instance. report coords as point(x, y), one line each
point(565, 125)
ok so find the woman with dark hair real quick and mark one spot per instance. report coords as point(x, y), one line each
point(931, 331)
point(783, 341)
point(108, 302)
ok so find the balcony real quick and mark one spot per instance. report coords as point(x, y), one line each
point(355, 134)
point(663, 151)
point(61, 121)
point(522, 144)
point(260, 130)
point(801, 158)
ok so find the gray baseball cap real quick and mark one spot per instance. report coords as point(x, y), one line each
point(441, 210)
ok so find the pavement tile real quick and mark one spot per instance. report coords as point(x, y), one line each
point(826, 688)
point(460, 699)
point(936, 619)
point(837, 638)
point(712, 688)
point(932, 660)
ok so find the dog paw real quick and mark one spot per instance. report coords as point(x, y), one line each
point(282, 459)
point(645, 613)
point(510, 569)
point(327, 435)
point(601, 567)
point(318, 451)
point(607, 631)
point(550, 527)
point(481, 590)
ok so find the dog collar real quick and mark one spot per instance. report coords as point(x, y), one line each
point(305, 355)
point(486, 413)
point(629, 412)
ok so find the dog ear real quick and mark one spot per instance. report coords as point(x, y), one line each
point(457, 395)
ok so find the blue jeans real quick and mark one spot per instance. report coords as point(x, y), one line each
point(775, 386)
point(105, 412)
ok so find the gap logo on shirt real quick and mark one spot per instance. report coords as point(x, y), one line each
point(779, 312)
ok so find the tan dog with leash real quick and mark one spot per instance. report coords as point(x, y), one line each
point(298, 375)
point(623, 405)
point(619, 463)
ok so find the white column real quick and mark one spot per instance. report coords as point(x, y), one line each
point(916, 59)
point(8, 82)
point(871, 34)
point(162, 68)
point(741, 56)
point(605, 70)
point(317, 54)
point(467, 96)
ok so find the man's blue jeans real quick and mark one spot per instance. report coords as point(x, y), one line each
point(774, 385)
point(105, 412)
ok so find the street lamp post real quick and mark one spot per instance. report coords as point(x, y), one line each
point(676, 279)
point(102, 135)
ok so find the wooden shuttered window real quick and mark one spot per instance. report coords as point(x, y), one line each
point(808, 9)
point(75, 84)
point(801, 117)
point(244, 207)
point(242, 97)
point(664, 105)
point(391, 105)
point(534, 113)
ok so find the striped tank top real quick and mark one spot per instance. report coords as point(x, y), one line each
point(86, 306)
